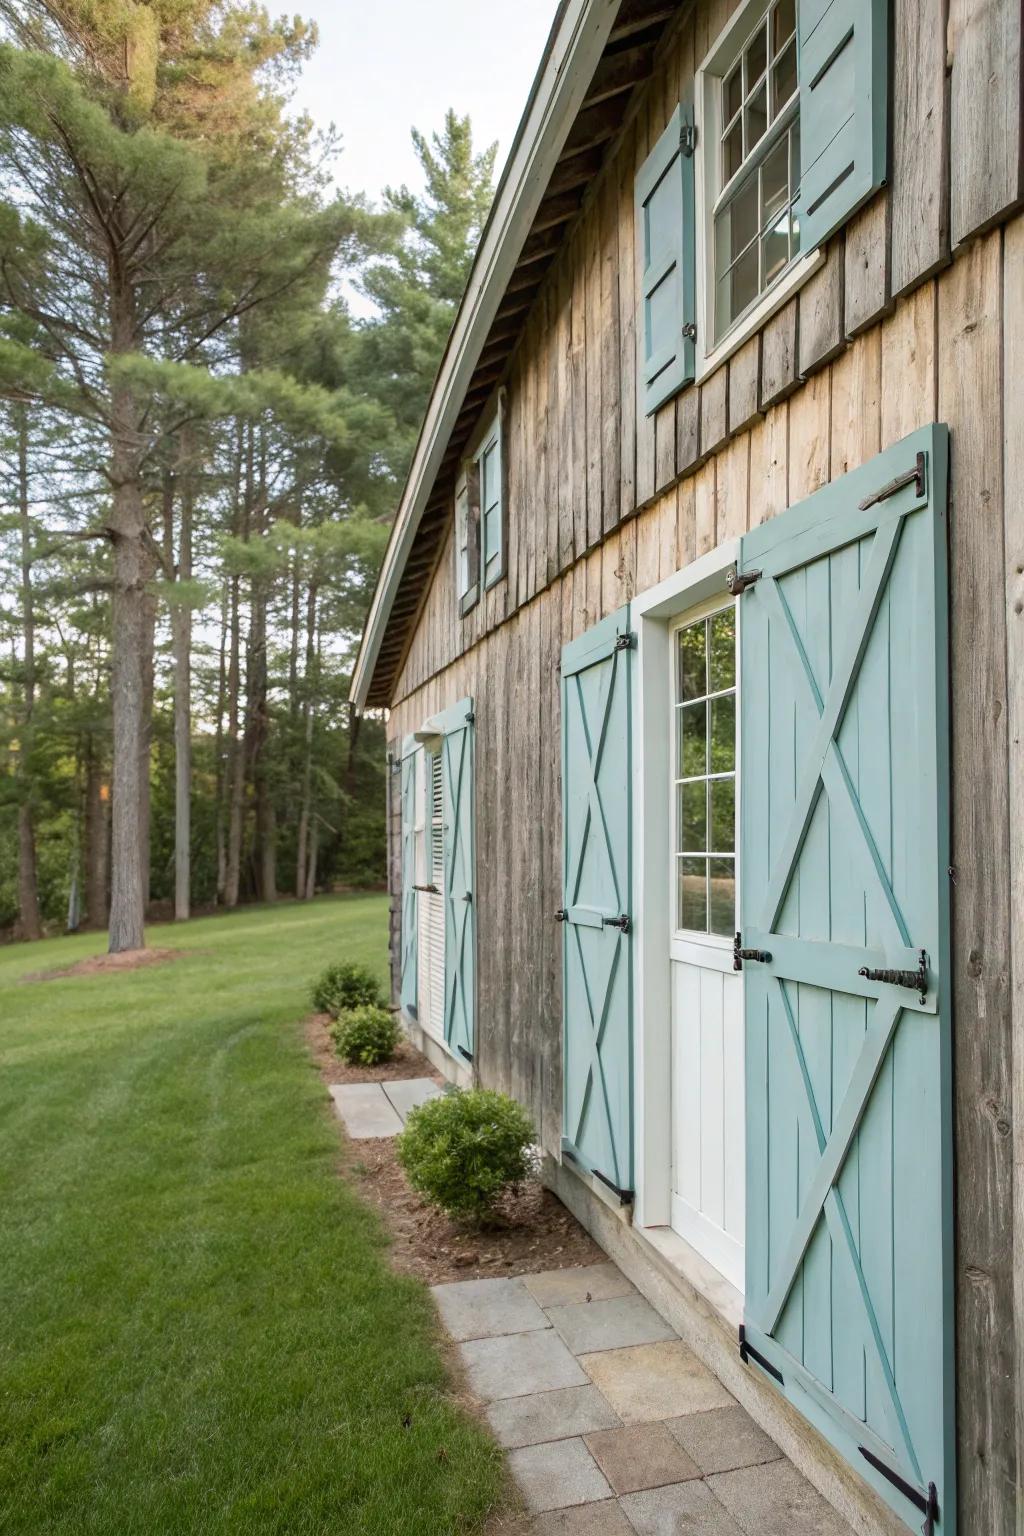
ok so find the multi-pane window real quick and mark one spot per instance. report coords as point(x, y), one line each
point(704, 706)
point(755, 220)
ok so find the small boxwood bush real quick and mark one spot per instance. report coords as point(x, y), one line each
point(465, 1149)
point(366, 1036)
point(347, 985)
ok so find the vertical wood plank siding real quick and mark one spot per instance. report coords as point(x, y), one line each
point(604, 501)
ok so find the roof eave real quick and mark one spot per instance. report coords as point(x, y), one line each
point(573, 52)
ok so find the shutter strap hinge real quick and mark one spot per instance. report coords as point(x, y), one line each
point(625, 640)
point(739, 955)
point(738, 584)
point(915, 477)
point(748, 1353)
point(927, 1503)
point(688, 138)
point(625, 1196)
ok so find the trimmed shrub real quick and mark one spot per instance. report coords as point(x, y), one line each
point(366, 1036)
point(347, 985)
point(465, 1149)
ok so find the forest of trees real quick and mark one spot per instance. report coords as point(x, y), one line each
point(201, 449)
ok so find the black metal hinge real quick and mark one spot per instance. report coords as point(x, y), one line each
point(915, 477)
point(622, 923)
point(739, 955)
point(431, 890)
point(927, 1503)
point(462, 1052)
point(738, 584)
point(471, 718)
point(625, 1196)
point(561, 916)
point(915, 981)
point(748, 1353)
point(688, 138)
point(625, 640)
point(689, 331)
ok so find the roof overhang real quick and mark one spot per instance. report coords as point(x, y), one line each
point(572, 54)
point(599, 53)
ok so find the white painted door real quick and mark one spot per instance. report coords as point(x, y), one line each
point(708, 1151)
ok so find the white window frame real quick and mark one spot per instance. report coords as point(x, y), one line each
point(692, 945)
point(707, 97)
point(653, 614)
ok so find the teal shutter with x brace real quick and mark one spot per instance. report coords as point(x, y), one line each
point(457, 750)
point(843, 64)
point(597, 1065)
point(845, 950)
point(665, 235)
point(409, 933)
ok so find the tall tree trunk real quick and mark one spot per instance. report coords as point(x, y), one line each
point(307, 746)
point(149, 611)
point(31, 922)
point(314, 839)
point(132, 574)
point(236, 762)
point(181, 641)
point(221, 777)
point(97, 835)
point(257, 725)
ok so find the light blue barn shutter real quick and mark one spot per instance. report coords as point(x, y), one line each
point(456, 726)
point(844, 847)
point(597, 1064)
point(492, 504)
point(843, 63)
point(410, 758)
point(665, 233)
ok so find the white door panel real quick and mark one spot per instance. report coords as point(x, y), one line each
point(707, 1114)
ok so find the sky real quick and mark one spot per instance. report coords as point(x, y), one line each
point(384, 66)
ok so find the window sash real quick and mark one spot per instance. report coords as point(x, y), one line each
point(725, 192)
point(714, 861)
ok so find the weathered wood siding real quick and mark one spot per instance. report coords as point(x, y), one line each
point(890, 334)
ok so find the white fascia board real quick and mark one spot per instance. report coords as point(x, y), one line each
point(564, 79)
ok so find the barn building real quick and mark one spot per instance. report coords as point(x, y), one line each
point(700, 632)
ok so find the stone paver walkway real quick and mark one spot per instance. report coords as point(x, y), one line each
point(611, 1424)
point(380, 1109)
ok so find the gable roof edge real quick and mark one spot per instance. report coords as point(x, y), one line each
point(573, 52)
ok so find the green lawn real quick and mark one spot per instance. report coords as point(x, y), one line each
point(198, 1328)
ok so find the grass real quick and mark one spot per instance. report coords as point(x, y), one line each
point(199, 1329)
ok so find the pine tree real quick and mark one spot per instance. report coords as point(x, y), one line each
point(121, 241)
point(417, 290)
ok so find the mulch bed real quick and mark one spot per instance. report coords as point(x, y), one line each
point(532, 1231)
point(407, 1061)
point(103, 965)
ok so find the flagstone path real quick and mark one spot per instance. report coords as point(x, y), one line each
point(611, 1424)
point(380, 1109)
